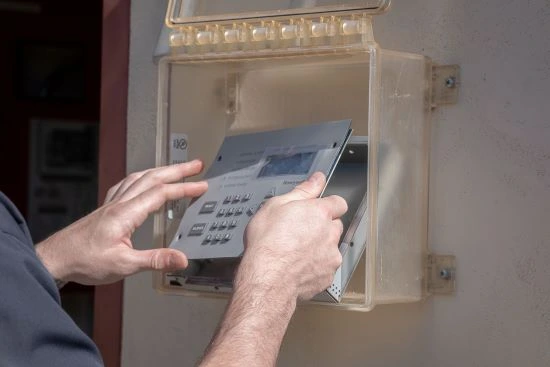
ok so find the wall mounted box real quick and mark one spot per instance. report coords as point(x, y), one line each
point(241, 67)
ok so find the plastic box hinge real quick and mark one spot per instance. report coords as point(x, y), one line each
point(445, 84)
point(440, 274)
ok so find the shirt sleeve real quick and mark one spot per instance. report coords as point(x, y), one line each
point(34, 328)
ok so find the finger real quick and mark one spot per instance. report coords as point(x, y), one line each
point(162, 175)
point(127, 182)
point(337, 260)
point(338, 228)
point(334, 236)
point(335, 205)
point(194, 189)
point(139, 207)
point(111, 192)
point(157, 259)
point(309, 189)
point(132, 178)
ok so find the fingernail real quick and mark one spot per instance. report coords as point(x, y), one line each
point(315, 177)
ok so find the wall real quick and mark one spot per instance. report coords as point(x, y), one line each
point(489, 205)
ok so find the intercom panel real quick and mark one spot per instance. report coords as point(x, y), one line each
point(248, 170)
point(348, 179)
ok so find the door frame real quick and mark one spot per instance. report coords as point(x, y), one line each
point(108, 299)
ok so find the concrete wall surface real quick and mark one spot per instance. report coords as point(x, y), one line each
point(489, 205)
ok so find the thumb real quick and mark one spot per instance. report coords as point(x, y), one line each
point(309, 189)
point(160, 259)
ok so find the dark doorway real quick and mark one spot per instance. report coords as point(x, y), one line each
point(49, 119)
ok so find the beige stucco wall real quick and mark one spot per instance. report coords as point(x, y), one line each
point(489, 205)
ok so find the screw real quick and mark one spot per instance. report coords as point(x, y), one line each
point(445, 274)
point(450, 82)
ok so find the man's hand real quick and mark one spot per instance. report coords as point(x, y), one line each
point(291, 253)
point(293, 241)
point(98, 249)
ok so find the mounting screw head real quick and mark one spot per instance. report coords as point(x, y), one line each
point(445, 274)
point(450, 82)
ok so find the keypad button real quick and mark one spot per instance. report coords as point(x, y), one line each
point(233, 223)
point(213, 226)
point(236, 198)
point(221, 212)
point(228, 199)
point(207, 239)
point(247, 197)
point(223, 225)
point(227, 237)
point(250, 211)
point(230, 212)
point(218, 237)
point(238, 211)
point(197, 229)
point(208, 207)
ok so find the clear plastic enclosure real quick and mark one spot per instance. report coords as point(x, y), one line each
point(182, 12)
point(205, 95)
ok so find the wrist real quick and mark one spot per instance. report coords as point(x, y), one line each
point(52, 261)
point(276, 300)
point(256, 318)
point(268, 277)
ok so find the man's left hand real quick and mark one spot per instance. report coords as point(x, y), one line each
point(98, 249)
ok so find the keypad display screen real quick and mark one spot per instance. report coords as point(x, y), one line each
point(285, 164)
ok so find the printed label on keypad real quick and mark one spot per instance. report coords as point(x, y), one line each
point(197, 229)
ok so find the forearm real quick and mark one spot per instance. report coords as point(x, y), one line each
point(253, 326)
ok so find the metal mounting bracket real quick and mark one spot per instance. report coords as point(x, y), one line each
point(441, 274)
point(445, 84)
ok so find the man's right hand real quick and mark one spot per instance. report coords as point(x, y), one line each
point(291, 253)
point(293, 241)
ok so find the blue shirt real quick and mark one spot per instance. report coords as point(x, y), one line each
point(34, 328)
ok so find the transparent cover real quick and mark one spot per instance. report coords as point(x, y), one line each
point(243, 75)
point(384, 93)
point(182, 12)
